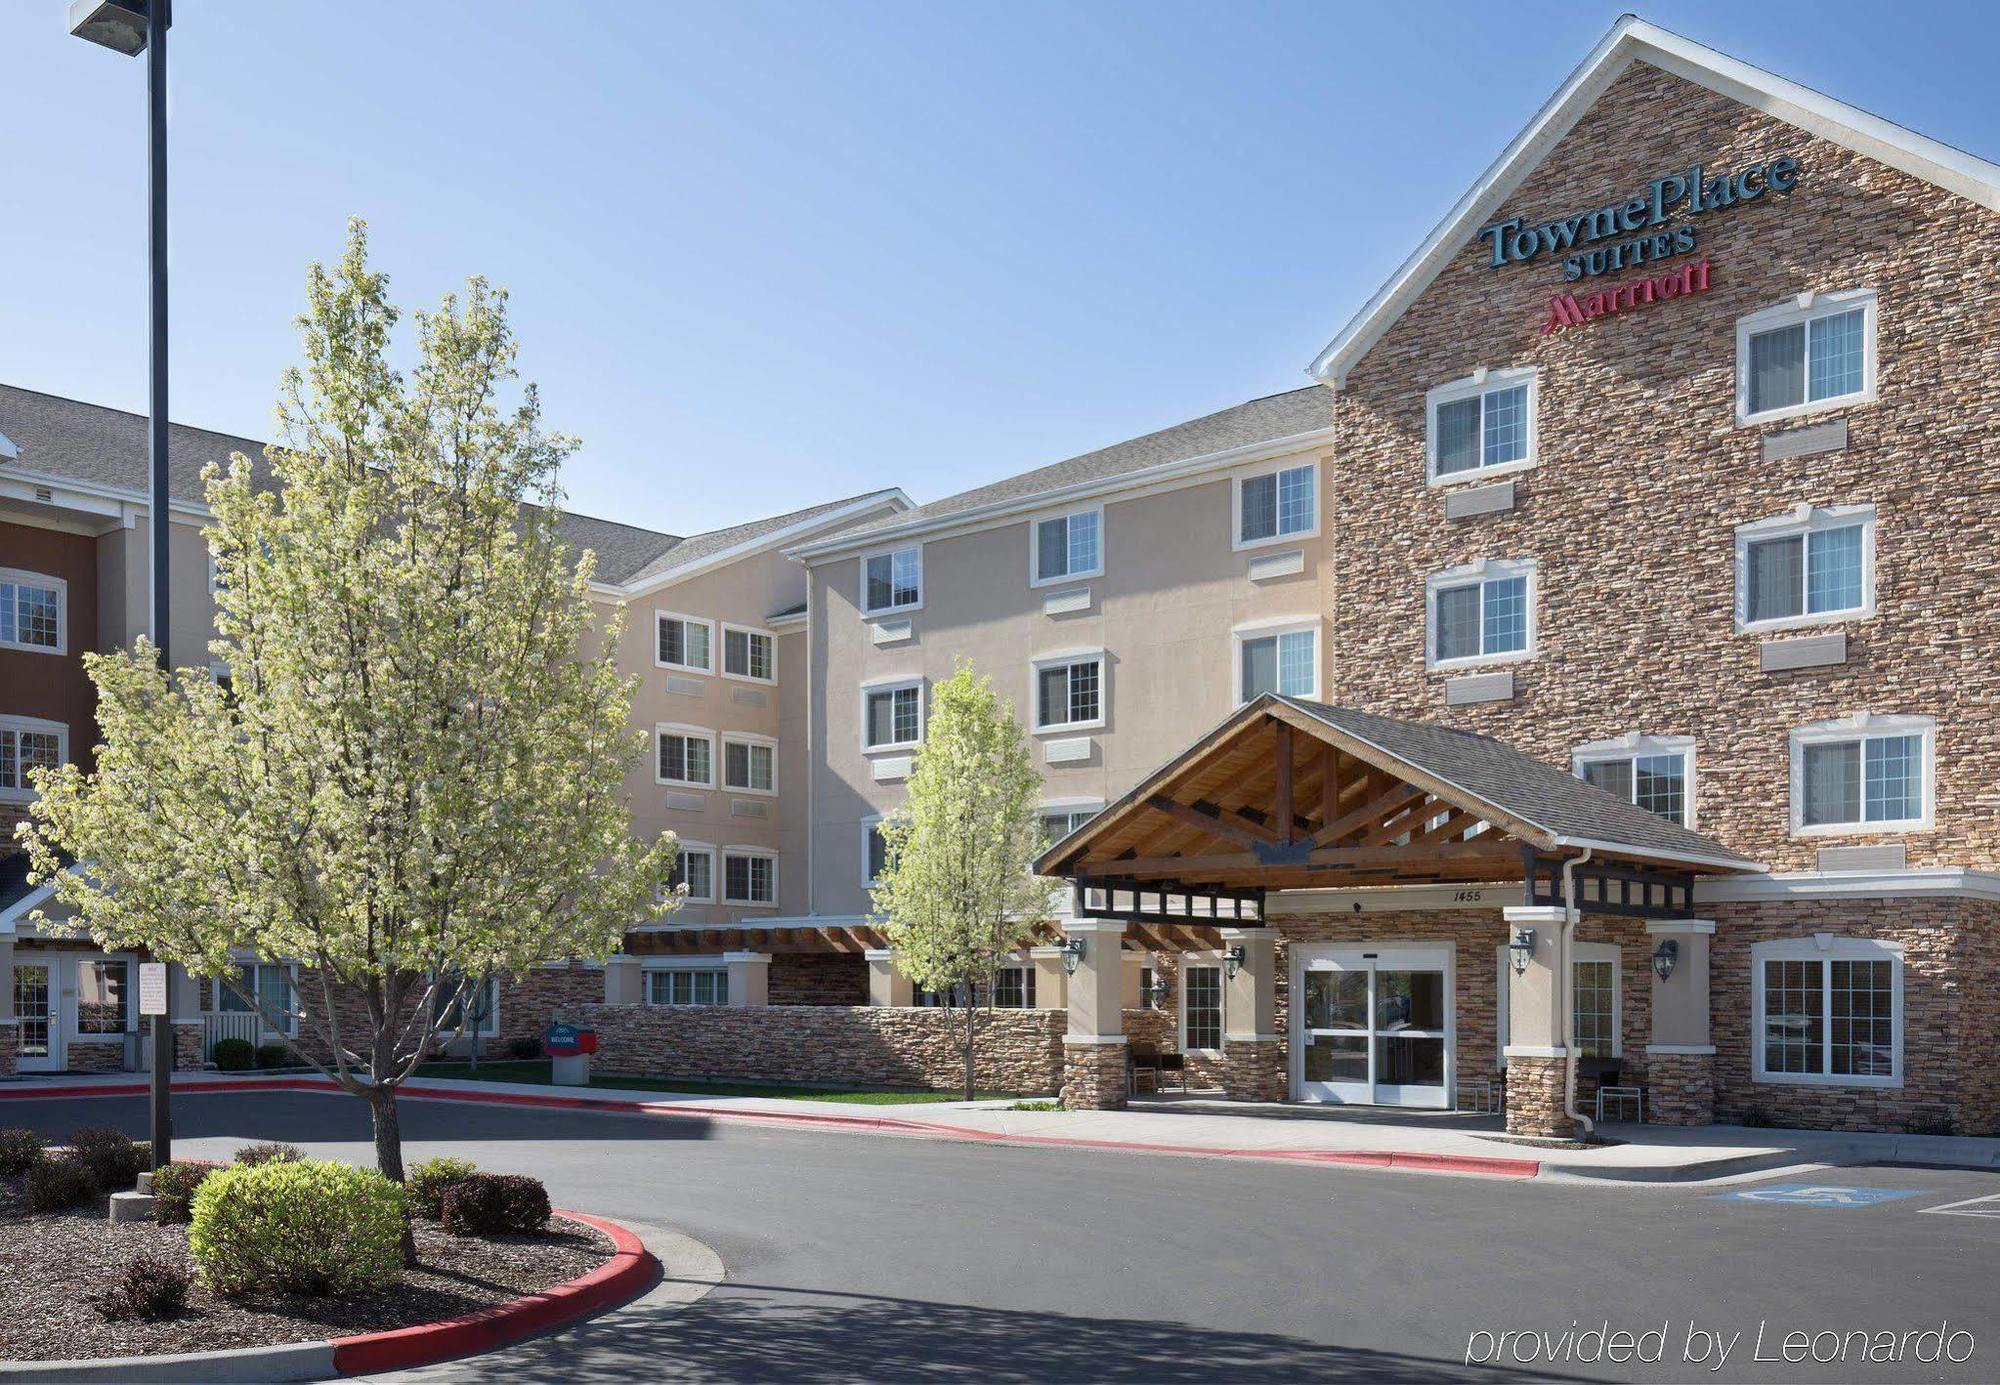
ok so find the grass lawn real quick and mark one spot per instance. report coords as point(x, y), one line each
point(537, 1070)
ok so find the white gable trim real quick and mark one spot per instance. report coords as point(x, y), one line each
point(1971, 177)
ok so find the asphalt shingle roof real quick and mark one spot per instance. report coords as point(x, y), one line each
point(1243, 425)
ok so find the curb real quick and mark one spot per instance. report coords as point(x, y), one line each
point(629, 1272)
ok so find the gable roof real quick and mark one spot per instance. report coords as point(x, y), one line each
point(1211, 439)
point(1633, 39)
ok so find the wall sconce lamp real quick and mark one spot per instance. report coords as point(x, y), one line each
point(1159, 992)
point(1072, 954)
point(1665, 957)
point(1521, 948)
point(1232, 961)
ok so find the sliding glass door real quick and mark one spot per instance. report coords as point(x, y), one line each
point(1374, 1026)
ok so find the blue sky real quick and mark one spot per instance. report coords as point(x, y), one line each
point(765, 254)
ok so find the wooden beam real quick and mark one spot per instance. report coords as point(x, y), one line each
point(1399, 797)
point(1201, 868)
point(1215, 820)
point(1282, 795)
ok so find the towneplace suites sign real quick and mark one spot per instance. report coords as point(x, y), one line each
point(1638, 230)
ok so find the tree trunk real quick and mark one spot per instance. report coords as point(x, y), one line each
point(389, 1152)
point(969, 1013)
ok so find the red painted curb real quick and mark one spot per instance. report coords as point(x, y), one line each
point(623, 1276)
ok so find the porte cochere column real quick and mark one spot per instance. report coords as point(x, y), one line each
point(1094, 1047)
point(1536, 1073)
point(1253, 1053)
point(1680, 1061)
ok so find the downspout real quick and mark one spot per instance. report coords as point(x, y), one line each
point(1566, 991)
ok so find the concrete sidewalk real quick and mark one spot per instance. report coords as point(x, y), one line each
point(1429, 1141)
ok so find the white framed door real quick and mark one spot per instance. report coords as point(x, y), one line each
point(1374, 1025)
point(38, 1034)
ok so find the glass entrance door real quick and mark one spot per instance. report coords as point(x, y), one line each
point(1376, 1027)
point(34, 1007)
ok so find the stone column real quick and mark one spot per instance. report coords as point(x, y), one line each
point(1051, 981)
point(749, 977)
point(10, 1025)
point(1536, 1070)
point(1253, 1055)
point(886, 983)
point(625, 981)
point(1094, 1046)
point(184, 1017)
point(1680, 1061)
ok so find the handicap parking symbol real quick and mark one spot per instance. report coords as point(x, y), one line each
point(1815, 1195)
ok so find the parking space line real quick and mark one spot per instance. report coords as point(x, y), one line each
point(1990, 1207)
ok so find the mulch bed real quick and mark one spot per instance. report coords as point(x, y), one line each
point(52, 1265)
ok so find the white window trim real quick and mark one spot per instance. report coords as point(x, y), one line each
point(1579, 952)
point(770, 635)
point(1823, 948)
point(1804, 308)
point(1200, 959)
point(722, 885)
point(882, 685)
point(1480, 382)
point(61, 589)
point(1065, 658)
point(1858, 727)
point(652, 967)
point(1266, 629)
point(26, 794)
point(1014, 963)
point(705, 849)
point(69, 997)
point(698, 733)
point(1487, 570)
point(1237, 542)
point(861, 596)
point(660, 617)
point(748, 738)
point(1633, 745)
point(1034, 543)
point(1805, 519)
point(291, 1028)
point(868, 826)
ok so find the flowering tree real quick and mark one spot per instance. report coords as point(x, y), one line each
point(957, 891)
point(413, 778)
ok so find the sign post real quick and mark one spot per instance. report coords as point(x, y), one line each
point(153, 1006)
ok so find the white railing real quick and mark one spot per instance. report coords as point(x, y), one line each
point(229, 1024)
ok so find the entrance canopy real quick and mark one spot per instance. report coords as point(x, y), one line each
point(1290, 794)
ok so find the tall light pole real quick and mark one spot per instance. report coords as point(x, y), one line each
point(133, 27)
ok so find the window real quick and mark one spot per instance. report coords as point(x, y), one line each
point(1067, 547)
point(694, 867)
point(1277, 505)
point(1654, 772)
point(683, 641)
point(1069, 692)
point(749, 877)
point(1867, 773)
point(1595, 994)
point(1828, 1009)
point(749, 654)
point(892, 716)
point(485, 1005)
point(26, 744)
point(1812, 353)
point(1806, 567)
point(750, 765)
point(1201, 1007)
point(1147, 1001)
point(103, 996)
point(687, 756)
point(1483, 613)
point(1014, 988)
point(688, 986)
point(33, 612)
point(1279, 661)
point(1059, 820)
point(271, 983)
point(874, 851)
point(1483, 423)
point(892, 581)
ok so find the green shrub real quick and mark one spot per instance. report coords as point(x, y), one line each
point(487, 1204)
point(149, 1288)
point(233, 1055)
point(173, 1192)
point(275, 1056)
point(301, 1227)
point(60, 1182)
point(112, 1157)
point(524, 1047)
point(426, 1183)
point(20, 1150)
point(269, 1153)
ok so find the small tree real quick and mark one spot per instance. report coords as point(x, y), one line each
point(957, 890)
point(415, 778)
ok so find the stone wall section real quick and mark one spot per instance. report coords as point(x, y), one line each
point(1535, 1099)
point(1682, 1090)
point(10, 1037)
point(1093, 1077)
point(818, 978)
point(1644, 475)
point(1018, 1051)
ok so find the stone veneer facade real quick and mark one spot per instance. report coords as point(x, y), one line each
point(1093, 1076)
